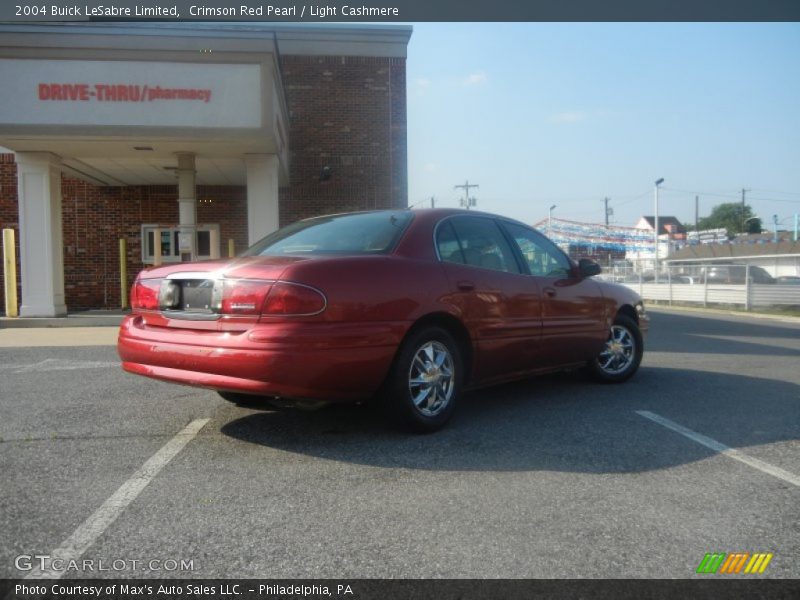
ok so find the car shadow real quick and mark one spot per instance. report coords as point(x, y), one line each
point(682, 333)
point(555, 423)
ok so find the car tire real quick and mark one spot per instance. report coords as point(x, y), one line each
point(425, 381)
point(621, 356)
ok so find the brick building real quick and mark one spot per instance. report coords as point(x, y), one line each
point(201, 133)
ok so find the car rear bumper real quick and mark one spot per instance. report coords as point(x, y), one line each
point(322, 361)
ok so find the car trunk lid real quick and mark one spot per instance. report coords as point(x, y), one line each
point(219, 294)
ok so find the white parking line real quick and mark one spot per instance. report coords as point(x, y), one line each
point(722, 448)
point(91, 529)
point(57, 364)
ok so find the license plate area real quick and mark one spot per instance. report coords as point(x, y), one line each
point(196, 295)
point(189, 296)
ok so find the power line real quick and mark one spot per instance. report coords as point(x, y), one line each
point(418, 203)
point(776, 200)
point(731, 196)
point(639, 197)
point(776, 192)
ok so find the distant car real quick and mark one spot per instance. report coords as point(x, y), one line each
point(687, 279)
point(737, 274)
point(405, 307)
point(788, 280)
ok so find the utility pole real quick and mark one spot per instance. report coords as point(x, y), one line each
point(466, 202)
point(744, 191)
point(433, 202)
point(605, 201)
point(697, 214)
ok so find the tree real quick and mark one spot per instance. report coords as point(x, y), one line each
point(730, 216)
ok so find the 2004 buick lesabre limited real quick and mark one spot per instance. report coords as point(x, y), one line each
point(403, 307)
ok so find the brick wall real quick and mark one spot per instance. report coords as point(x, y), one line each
point(348, 113)
point(9, 216)
point(95, 218)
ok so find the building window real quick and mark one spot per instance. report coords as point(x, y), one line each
point(170, 251)
point(204, 243)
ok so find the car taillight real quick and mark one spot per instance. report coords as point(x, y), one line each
point(144, 294)
point(243, 296)
point(293, 299)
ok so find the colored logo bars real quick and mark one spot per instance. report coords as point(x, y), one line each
point(720, 562)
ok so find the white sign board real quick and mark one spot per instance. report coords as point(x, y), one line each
point(126, 93)
point(184, 242)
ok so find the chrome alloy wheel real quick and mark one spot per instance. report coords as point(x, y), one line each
point(431, 378)
point(619, 353)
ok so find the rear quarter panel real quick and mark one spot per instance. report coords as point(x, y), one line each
point(372, 288)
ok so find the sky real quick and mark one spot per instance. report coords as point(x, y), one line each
point(539, 114)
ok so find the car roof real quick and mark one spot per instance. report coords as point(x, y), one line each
point(440, 213)
point(428, 214)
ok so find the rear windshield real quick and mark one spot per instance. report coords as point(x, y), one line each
point(355, 233)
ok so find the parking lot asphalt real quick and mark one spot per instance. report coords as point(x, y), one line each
point(550, 477)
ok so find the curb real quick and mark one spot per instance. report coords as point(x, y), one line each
point(722, 312)
point(78, 320)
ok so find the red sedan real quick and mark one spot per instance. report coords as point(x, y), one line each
point(406, 307)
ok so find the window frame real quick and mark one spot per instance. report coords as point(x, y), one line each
point(174, 230)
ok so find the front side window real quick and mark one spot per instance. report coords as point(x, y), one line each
point(541, 255)
point(475, 241)
point(354, 233)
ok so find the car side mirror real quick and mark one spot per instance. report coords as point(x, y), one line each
point(587, 268)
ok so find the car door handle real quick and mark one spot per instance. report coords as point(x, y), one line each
point(549, 292)
point(465, 286)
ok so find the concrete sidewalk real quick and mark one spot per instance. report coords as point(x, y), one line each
point(26, 337)
point(699, 310)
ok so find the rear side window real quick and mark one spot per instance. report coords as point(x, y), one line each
point(355, 233)
point(475, 241)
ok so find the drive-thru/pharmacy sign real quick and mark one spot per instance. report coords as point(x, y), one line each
point(130, 93)
point(118, 92)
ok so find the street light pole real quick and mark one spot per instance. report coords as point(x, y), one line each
point(550, 219)
point(655, 232)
